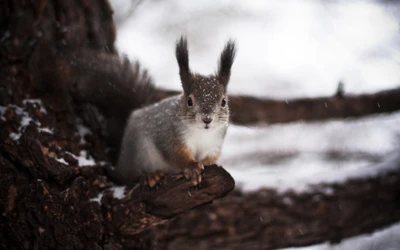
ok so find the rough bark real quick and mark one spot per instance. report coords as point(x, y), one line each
point(48, 196)
point(247, 110)
point(269, 220)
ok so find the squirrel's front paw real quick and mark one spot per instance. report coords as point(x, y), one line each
point(193, 172)
point(153, 178)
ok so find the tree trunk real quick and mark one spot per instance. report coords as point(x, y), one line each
point(55, 193)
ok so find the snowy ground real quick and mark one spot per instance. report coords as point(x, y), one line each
point(287, 49)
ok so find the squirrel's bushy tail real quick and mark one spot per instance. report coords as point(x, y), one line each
point(115, 86)
point(111, 83)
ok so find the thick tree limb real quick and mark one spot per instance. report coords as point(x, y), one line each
point(252, 110)
point(143, 208)
point(268, 220)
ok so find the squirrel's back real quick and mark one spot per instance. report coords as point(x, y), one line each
point(147, 130)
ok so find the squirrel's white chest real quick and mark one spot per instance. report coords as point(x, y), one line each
point(204, 142)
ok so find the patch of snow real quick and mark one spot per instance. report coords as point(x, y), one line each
point(385, 239)
point(84, 158)
point(25, 118)
point(82, 130)
point(25, 121)
point(46, 130)
point(15, 136)
point(118, 192)
point(36, 101)
point(62, 161)
point(98, 198)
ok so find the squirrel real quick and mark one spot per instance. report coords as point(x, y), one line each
point(180, 133)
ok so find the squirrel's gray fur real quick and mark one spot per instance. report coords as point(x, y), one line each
point(173, 135)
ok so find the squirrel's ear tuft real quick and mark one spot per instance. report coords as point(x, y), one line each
point(226, 61)
point(182, 56)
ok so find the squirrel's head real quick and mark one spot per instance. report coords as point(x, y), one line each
point(204, 98)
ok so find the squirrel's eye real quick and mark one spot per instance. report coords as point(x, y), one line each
point(223, 103)
point(190, 102)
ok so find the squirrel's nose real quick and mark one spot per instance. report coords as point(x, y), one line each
point(207, 119)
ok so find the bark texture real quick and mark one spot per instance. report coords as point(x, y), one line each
point(55, 193)
point(269, 220)
point(49, 201)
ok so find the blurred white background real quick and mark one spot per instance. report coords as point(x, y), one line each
point(286, 49)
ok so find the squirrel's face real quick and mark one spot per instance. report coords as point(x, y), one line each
point(204, 100)
point(207, 104)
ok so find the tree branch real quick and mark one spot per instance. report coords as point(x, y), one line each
point(143, 208)
point(269, 220)
point(251, 110)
